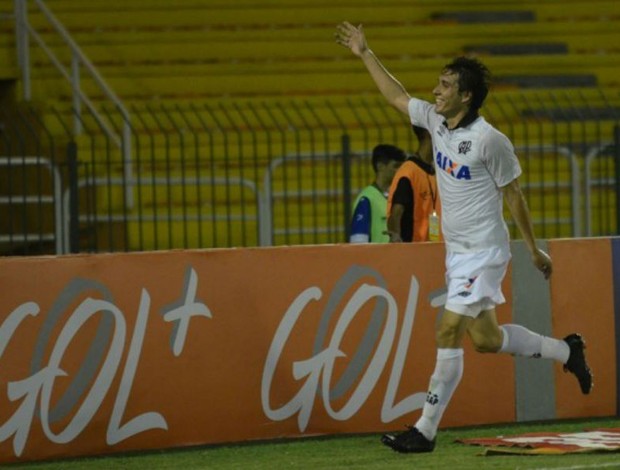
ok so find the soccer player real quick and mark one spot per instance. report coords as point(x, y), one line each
point(476, 170)
point(413, 198)
point(368, 224)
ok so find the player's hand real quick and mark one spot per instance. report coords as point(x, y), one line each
point(351, 37)
point(543, 263)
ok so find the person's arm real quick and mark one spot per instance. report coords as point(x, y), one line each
point(521, 215)
point(360, 223)
point(402, 199)
point(353, 38)
point(394, 223)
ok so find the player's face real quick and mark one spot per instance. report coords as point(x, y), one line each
point(448, 100)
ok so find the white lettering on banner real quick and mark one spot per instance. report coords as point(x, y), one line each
point(34, 395)
point(116, 432)
point(320, 366)
point(95, 396)
point(36, 390)
point(369, 380)
point(304, 400)
point(185, 312)
point(19, 424)
point(415, 401)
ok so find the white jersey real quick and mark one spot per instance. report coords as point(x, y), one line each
point(472, 163)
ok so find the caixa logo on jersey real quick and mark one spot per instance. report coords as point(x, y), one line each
point(460, 172)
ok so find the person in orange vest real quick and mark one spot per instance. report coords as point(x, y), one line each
point(413, 206)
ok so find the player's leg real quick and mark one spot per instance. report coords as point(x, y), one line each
point(484, 332)
point(488, 336)
point(444, 381)
point(448, 370)
point(520, 341)
point(470, 278)
point(462, 305)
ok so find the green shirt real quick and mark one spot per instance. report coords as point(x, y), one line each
point(369, 220)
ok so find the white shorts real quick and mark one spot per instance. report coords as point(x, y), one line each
point(474, 280)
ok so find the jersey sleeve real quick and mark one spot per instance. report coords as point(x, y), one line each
point(422, 114)
point(360, 223)
point(499, 156)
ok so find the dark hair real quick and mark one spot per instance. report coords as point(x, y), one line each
point(474, 77)
point(384, 153)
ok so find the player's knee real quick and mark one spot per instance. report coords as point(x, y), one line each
point(487, 344)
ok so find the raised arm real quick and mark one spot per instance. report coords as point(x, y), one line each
point(521, 215)
point(353, 38)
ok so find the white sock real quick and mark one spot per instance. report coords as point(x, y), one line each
point(523, 342)
point(443, 383)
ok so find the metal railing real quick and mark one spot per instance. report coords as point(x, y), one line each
point(24, 31)
point(75, 222)
point(258, 173)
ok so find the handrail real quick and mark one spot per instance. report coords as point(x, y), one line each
point(592, 154)
point(23, 29)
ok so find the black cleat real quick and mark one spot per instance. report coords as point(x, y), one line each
point(411, 441)
point(577, 364)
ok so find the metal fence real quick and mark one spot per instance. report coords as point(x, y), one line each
point(272, 172)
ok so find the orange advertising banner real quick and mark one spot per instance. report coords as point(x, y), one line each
point(583, 301)
point(120, 352)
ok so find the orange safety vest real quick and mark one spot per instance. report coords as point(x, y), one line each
point(425, 198)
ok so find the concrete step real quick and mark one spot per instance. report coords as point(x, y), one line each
point(304, 78)
point(192, 13)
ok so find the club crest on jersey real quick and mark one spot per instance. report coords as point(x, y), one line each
point(464, 147)
point(460, 172)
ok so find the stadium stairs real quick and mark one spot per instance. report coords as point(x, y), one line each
point(249, 70)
